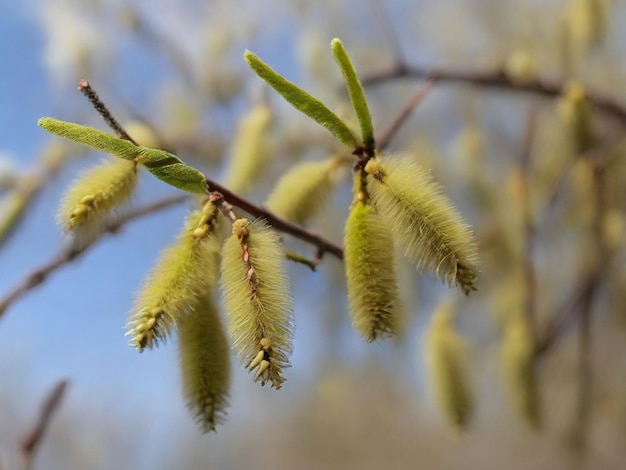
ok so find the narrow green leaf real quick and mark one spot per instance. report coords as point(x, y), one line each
point(171, 169)
point(91, 137)
point(356, 92)
point(301, 100)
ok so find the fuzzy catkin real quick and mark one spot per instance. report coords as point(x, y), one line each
point(185, 271)
point(371, 275)
point(445, 354)
point(204, 363)
point(423, 221)
point(518, 369)
point(251, 150)
point(255, 295)
point(95, 193)
point(302, 191)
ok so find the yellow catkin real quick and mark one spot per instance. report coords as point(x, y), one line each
point(185, 271)
point(96, 192)
point(205, 363)
point(143, 134)
point(586, 23)
point(521, 66)
point(371, 274)
point(445, 354)
point(518, 369)
point(423, 221)
point(574, 110)
point(251, 150)
point(303, 190)
point(255, 295)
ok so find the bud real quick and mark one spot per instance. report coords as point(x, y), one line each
point(204, 363)
point(185, 271)
point(445, 354)
point(371, 273)
point(423, 221)
point(255, 295)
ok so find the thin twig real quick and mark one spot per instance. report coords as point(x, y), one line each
point(32, 439)
point(402, 115)
point(85, 88)
point(40, 274)
point(381, 15)
point(491, 79)
point(528, 225)
point(585, 367)
point(280, 224)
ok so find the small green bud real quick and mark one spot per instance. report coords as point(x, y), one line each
point(172, 170)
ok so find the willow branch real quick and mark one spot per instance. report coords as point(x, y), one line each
point(32, 439)
point(282, 225)
point(40, 275)
point(491, 79)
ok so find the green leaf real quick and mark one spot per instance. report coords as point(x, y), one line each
point(171, 169)
point(92, 137)
point(301, 100)
point(356, 92)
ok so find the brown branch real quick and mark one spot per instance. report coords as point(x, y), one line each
point(32, 439)
point(40, 274)
point(85, 88)
point(492, 79)
point(280, 224)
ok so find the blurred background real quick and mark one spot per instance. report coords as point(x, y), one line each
point(541, 178)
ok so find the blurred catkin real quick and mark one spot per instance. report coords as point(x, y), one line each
point(518, 369)
point(521, 66)
point(256, 299)
point(185, 271)
point(586, 22)
point(423, 221)
point(204, 363)
point(371, 273)
point(445, 354)
point(91, 198)
point(575, 111)
point(251, 150)
point(303, 189)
